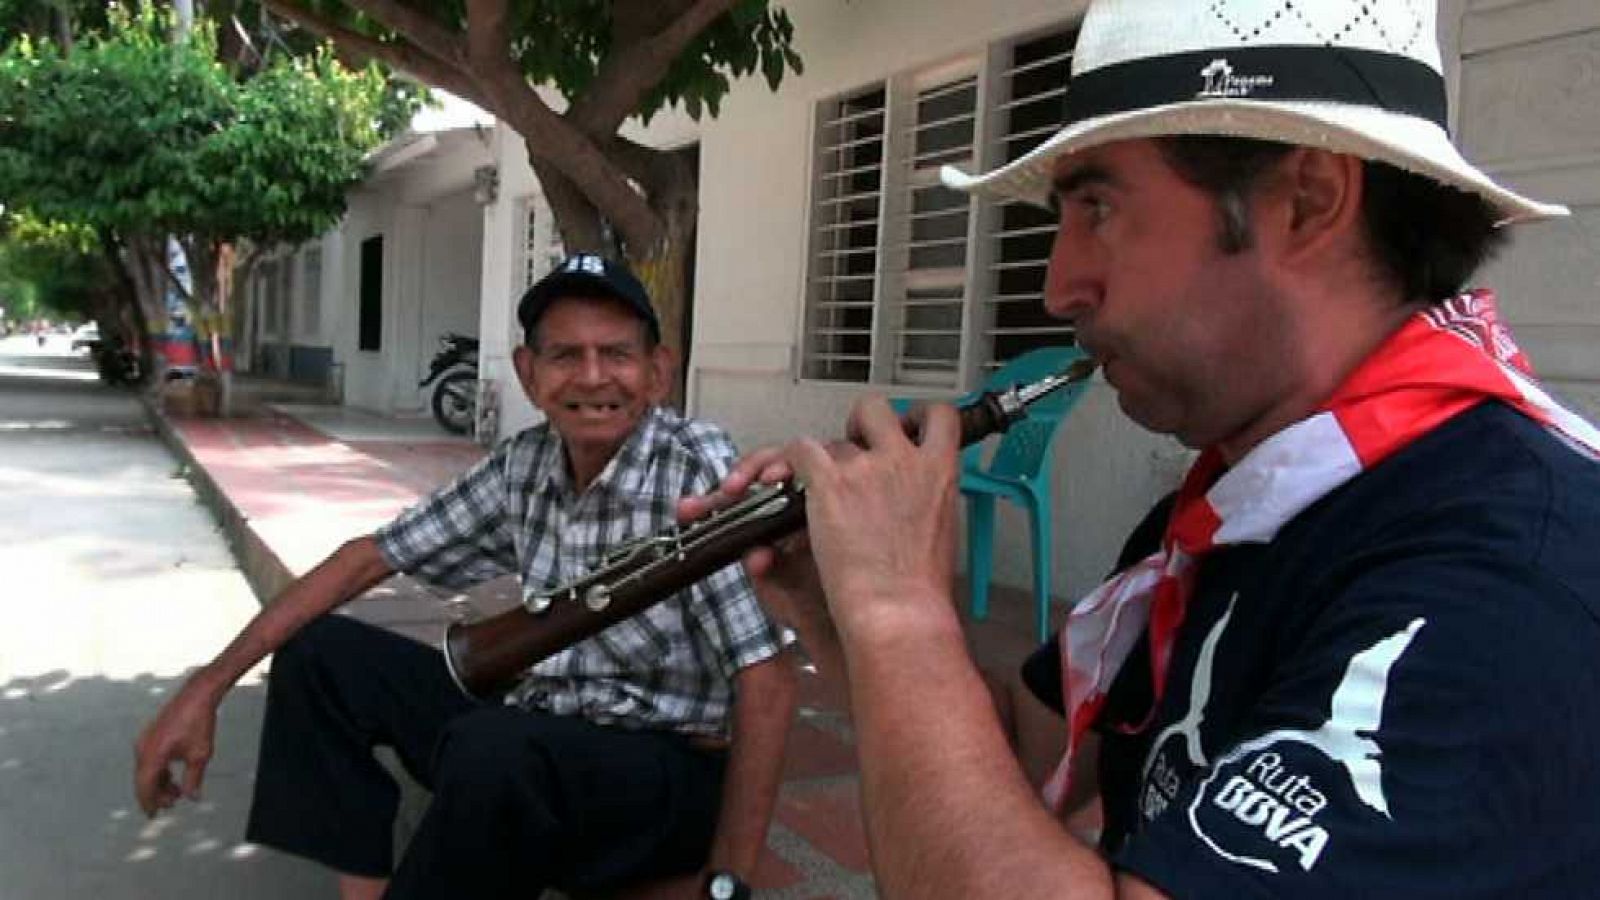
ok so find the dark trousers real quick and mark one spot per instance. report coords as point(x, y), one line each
point(521, 800)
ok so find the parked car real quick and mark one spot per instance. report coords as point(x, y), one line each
point(85, 336)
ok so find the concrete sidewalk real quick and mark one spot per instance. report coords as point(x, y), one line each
point(291, 483)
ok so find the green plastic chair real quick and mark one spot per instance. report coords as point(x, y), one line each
point(1019, 471)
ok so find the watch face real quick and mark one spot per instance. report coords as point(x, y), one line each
point(723, 887)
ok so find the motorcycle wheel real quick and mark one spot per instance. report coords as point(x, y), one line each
point(455, 402)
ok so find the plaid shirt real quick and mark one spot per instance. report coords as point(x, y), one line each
point(670, 667)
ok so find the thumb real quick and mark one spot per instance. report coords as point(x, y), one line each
point(194, 772)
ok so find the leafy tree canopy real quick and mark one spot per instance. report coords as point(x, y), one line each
point(136, 133)
point(573, 44)
point(48, 269)
point(565, 44)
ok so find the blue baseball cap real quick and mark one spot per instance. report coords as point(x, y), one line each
point(587, 275)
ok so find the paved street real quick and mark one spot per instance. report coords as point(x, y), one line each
point(117, 581)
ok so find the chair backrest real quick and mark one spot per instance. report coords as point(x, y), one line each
point(1024, 450)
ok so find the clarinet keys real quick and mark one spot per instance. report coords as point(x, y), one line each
point(597, 598)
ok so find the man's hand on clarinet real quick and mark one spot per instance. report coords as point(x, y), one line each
point(181, 733)
point(882, 506)
point(881, 516)
point(784, 574)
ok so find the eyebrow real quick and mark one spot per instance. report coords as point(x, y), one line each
point(580, 345)
point(1081, 177)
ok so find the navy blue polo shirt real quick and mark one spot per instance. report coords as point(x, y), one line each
point(1398, 697)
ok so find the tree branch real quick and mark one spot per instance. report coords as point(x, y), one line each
point(672, 187)
point(549, 137)
point(629, 71)
point(422, 30)
point(635, 20)
point(576, 217)
point(408, 58)
point(657, 171)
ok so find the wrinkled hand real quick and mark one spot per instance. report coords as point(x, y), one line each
point(784, 574)
point(881, 514)
point(181, 733)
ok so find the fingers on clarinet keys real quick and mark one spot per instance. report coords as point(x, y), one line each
point(913, 420)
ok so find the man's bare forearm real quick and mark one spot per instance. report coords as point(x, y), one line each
point(763, 709)
point(353, 568)
point(949, 811)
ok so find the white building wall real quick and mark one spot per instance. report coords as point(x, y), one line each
point(432, 247)
point(321, 331)
point(361, 371)
point(503, 279)
point(1530, 114)
point(451, 275)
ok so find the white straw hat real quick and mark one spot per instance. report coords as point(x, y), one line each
point(1361, 77)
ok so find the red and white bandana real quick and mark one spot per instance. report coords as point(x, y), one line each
point(1442, 362)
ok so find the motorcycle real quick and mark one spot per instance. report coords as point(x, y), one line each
point(114, 362)
point(454, 376)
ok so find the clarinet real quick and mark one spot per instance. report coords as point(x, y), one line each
point(487, 656)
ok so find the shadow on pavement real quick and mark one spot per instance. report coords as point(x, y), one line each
point(98, 844)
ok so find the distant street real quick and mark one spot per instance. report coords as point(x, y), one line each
point(116, 581)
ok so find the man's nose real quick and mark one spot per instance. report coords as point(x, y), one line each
point(1069, 285)
point(593, 370)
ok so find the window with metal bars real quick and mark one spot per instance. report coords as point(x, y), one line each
point(910, 283)
point(541, 247)
point(929, 261)
point(841, 289)
point(531, 259)
point(1032, 79)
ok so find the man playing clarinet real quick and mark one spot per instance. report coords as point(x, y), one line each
point(1357, 657)
point(650, 749)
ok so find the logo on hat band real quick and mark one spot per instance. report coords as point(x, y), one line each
point(1284, 73)
point(1221, 82)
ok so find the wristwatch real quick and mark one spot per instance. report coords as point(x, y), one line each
point(726, 886)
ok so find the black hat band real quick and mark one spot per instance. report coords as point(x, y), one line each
point(1287, 73)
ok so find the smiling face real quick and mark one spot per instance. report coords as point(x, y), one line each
point(1194, 338)
point(593, 373)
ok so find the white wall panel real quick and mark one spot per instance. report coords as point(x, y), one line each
point(1530, 79)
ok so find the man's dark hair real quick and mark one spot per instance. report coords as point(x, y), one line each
point(1426, 238)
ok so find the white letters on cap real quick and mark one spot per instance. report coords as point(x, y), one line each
point(586, 262)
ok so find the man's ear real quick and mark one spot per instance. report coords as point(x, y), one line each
point(522, 361)
point(663, 363)
point(1319, 198)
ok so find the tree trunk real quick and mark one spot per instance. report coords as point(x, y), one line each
point(211, 274)
point(142, 259)
point(576, 218)
point(61, 27)
point(664, 267)
point(664, 273)
point(128, 320)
